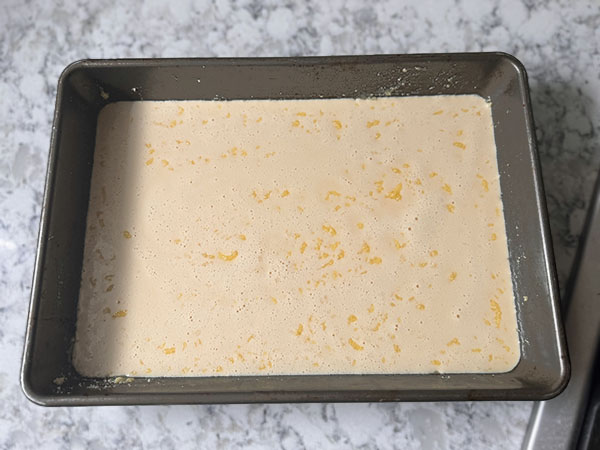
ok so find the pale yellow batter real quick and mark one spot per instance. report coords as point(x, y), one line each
point(296, 237)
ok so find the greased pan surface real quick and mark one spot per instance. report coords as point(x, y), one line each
point(48, 377)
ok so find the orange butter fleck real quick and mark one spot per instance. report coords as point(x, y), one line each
point(355, 345)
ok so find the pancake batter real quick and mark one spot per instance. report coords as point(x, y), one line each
point(296, 237)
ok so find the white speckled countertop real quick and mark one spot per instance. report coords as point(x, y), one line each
point(558, 41)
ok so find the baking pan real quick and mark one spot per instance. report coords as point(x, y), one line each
point(48, 377)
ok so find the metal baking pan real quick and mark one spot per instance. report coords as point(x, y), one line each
point(48, 377)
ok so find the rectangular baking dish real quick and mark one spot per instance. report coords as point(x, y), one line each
point(48, 377)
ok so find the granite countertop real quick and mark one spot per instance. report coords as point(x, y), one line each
point(556, 40)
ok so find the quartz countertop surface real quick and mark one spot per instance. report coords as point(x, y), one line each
point(558, 42)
